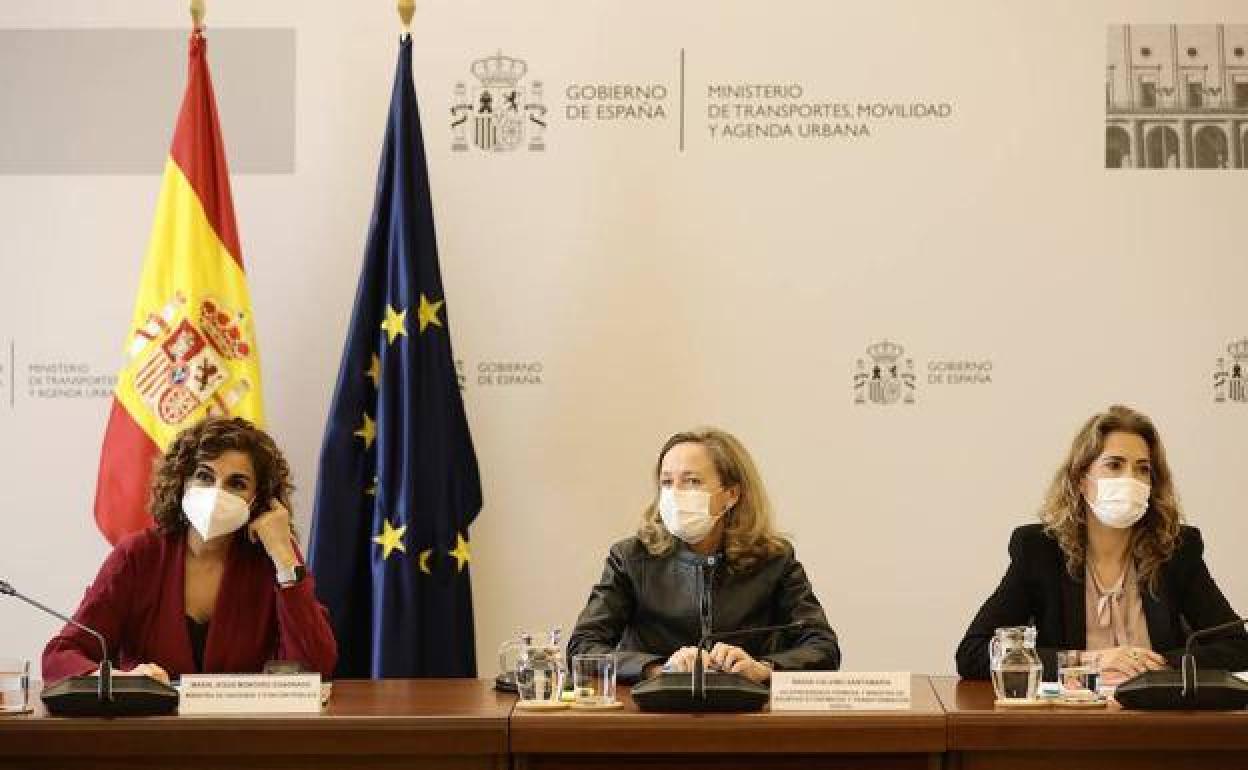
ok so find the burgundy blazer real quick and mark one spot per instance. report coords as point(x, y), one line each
point(138, 603)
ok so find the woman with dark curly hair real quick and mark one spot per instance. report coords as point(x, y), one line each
point(218, 584)
point(1110, 567)
point(706, 558)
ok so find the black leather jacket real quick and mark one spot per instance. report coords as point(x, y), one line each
point(646, 607)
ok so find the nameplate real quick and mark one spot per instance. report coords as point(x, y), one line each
point(840, 691)
point(249, 694)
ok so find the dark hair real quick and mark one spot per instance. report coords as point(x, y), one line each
point(207, 440)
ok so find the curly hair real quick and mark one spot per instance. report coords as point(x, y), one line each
point(749, 535)
point(208, 440)
point(1154, 538)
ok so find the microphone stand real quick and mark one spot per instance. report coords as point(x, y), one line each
point(1189, 660)
point(106, 666)
point(698, 683)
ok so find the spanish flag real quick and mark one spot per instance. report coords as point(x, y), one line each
point(191, 348)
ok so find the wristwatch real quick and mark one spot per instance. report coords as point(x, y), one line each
point(292, 576)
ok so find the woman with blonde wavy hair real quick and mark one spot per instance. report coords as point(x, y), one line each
point(1110, 569)
point(705, 558)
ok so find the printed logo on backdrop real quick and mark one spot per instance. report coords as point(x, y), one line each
point(769, 111)
point(500, 111)
point(510, 373)
point(1230, 379)
point(887, 376)
point(1176, 96)
point(882, 379)
point(617, 102)
point(504, 114)
point(50, 379)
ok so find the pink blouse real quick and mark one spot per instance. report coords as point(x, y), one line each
point(1114, 617)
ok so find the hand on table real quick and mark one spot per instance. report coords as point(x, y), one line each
point(736, 660)
point(1130, 661)
point(146, 669)
point(684, 658)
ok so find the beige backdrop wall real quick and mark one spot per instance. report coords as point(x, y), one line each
point(629, 280)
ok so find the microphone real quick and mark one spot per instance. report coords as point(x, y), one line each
point(1187, 688)
point(106, 668)
point(94, 695)
point(1189, 661)
point(698, 682)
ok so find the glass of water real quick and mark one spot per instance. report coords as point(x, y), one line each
point(1079, 674)
point(14, 685)
point(593, 679)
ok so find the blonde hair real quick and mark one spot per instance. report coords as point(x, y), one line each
point(1064, 514)
point(749, 534)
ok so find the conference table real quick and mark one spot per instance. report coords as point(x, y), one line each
point(982, 737)
point(456, 724)
point(871, 740)
point(465, 724)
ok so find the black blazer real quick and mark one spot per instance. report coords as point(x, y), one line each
point(1037, 590)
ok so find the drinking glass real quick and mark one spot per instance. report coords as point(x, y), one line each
point(593, 678)
point(1079, 674)
point(14, 685)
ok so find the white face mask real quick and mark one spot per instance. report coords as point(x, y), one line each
point(686, 513)
point(213, 512)
point(1120, 502)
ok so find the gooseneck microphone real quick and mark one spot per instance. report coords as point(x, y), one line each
point(99, 695)
point(1189, 688)
point(1190, 681)
point(106, 668)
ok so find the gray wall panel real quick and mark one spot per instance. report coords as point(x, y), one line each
point(104, 101)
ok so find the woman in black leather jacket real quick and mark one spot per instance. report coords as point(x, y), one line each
point(705, 558)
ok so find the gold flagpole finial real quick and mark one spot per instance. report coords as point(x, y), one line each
point(197, 14)
point(406, 9)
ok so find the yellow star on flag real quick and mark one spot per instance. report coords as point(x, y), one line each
point(428, 313)
point(367, 431)
point(396, 322)
point(424, 560)
point(374, 371)
point(390, 539)
point(462, 553)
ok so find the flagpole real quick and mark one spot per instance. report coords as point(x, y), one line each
point(197, 15)
point(407, 8)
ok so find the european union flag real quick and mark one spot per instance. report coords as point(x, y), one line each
point(398, 485)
